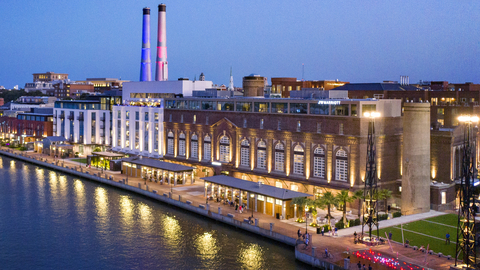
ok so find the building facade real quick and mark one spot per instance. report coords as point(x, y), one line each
point(49, 76)
point(138, 129)
point(283, 86)
point(85, 123)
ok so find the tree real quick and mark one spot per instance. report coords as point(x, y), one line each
point(385, 194)
point(343, 197)
point(358, 195)
point(302, 202)
point(327, 200)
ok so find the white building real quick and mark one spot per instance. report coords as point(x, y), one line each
point(137, 91)
point(85, 123)
point(139, 129)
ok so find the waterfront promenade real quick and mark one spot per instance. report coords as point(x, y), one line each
point(194, 194)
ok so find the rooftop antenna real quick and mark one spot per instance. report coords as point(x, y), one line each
point(303, 72)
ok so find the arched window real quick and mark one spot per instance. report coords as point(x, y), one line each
point(298, 159)
point(207, 148)
point(319, 162)
point(245, 153)
point(170, 139)
point(279, 157)
point(224, 149)
point(194, 146)
point(341, 165)
point(181, 144)
point(261, 155)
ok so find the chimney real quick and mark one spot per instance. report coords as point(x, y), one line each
point(162, 64)
point(145, 65)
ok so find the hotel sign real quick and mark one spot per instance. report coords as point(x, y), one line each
point(329, 102)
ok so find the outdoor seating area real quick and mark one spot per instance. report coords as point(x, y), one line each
point(103, 159)
point(261, 198)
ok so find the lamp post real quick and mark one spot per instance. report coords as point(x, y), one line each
point(370, 214)
point(466, 215)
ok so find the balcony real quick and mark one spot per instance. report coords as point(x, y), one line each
point(80, 118)
point(102, 118)
point(102, 126)
point(62, 116)
point(70, 117)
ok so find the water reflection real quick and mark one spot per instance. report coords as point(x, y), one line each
point(40, 176)
point(251, 257)
point(79, 189)
point(146, 218)
point(171, 230)
point(126, 210)
point(207, 247)
point(53, 184)
point(63, 186)
point(101, 202)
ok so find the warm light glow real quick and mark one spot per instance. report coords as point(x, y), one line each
point(206, 246)
point(372, 114)
point(252, 257)
point(468, 118)
point(434, 172)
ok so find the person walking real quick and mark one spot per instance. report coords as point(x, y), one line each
point(359, 265)
point(390, 235)
point(299, 233)
point(355, 237)
point(447, 238)
point(306, 242)
point(370, 267)
point(323, 231)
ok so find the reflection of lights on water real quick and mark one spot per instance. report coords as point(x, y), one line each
point(251, 257)
point(171, 230)
point(63, 185)
point(206, 246)
point(79, 192)
point(53, 183)
point(12, 164)
point(126, 209)
point(101, 201)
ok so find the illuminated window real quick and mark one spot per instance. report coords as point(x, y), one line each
point(298, 159)
point(319, 162)
point(278, 202)
point(341, 165)
point(279, 157)
point(260, 198)
point(245, 153)
point(278, 184)
point(299, 126)
point(170, 143)
point(262, 155)
point(261, 123)
point(319, 127)
point(181, 144)
point(294, 187)
point(224, 149)
point(207, 148)
point(194, 146)
point(194, 119)
point(444, 197)
point(340, 129)
point(269, 199)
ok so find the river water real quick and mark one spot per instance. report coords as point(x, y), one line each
point(53, 221)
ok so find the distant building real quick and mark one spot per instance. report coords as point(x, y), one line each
point(253, 86)
point(30, 126)
point(448, 101)
point(68, 89)
point(49, 76)
point(104, 84)
point(283, 86)
point(44, 87)
point(138, 91)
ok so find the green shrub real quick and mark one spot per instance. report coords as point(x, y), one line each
point(313, 224)
point(397, 214)
point(382, 217)
point(326, 228)
point(340, 225)
point(23, 148)
point(357, 222)
point(300, 220)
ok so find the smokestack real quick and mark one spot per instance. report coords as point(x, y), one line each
point(146, 65)
point(162, 64)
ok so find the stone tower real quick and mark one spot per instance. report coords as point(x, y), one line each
point(416, 158)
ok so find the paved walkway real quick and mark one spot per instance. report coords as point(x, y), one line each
point(393, 222)
point(338, 246)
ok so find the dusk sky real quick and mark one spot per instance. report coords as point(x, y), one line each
point(356, 41)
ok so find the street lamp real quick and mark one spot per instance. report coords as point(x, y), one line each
point(370, 214)
point(466, 244)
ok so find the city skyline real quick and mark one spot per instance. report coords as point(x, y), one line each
point(356, 42)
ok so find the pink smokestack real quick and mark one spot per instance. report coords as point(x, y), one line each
point(162, 64)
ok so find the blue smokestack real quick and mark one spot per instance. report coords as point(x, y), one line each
point(146, 66)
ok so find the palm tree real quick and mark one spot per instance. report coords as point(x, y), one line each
point(358, 195)
point(385, 194)
point(327, 201)
point(301, 202)
point(343, 197)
